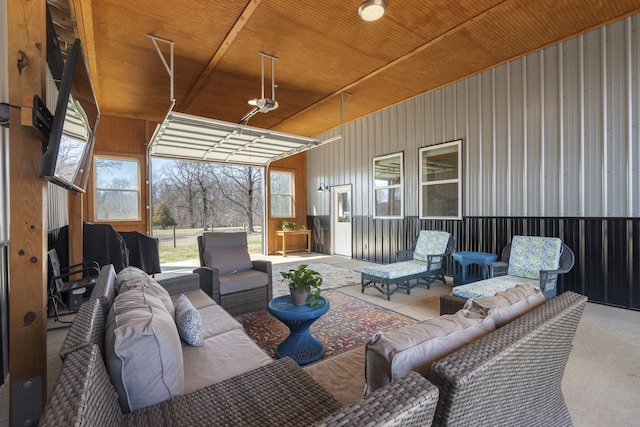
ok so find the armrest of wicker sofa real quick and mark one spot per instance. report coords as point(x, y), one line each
point(494, 378)
point(411, 400)
point(180, 284)
point(209, 281)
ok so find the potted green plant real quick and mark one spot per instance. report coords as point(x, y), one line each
point(303, 282)
point(288, 225)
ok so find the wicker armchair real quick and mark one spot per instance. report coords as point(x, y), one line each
point(548, 278)
point(228, 275)
point(528, 267)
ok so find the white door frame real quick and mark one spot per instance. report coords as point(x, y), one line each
point(334, 218)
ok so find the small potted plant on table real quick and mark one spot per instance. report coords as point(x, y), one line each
point(288, 225)
point(303, 282)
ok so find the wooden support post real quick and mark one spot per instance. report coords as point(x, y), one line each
point(28, 215)
point(75, 228)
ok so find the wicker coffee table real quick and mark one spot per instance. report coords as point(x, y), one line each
point(299, 345)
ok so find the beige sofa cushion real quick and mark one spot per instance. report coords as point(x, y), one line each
point(216, 321)
point(134, 278)
point(198, 298)
point(222, 356)
point(392, 355)
point(143, 351)
point(508, 305)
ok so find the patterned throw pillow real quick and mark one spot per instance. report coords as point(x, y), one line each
point(189, 322)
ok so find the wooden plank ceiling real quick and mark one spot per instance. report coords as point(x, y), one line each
point(323, 49)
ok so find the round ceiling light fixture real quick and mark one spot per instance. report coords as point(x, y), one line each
point(372, 10)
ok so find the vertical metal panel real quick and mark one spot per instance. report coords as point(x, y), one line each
point(518, 130)
point(593, 124)
point(631, 82)
point(501, 141)
point(616, 124)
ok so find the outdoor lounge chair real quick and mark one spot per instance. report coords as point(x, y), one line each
point(228, 275)
point(531, 260)
point(421, 265)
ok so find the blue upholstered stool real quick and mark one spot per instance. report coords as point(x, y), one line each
point(465, 258)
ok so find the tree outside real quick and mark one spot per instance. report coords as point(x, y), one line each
point(162, 216)
point(194, 197)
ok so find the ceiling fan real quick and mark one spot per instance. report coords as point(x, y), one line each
point(263, 105)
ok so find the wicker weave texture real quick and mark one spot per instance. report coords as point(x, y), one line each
point(104, 289)
point(177, 285)
point(410, 401)
point(245, 302)
point(451, 304)
point(512, 376)
point(83, 394)
point(86, 329)
point(279, 394)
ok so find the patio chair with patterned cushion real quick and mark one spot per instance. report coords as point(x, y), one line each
point(421, 265)
point(530, 260)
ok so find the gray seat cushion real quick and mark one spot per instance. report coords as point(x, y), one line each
point(242, 281)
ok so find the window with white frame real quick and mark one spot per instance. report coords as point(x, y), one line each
point(117, 189)
point(441, 181)
point(388, 172)
point(282, 188)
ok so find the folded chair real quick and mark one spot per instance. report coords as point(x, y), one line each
point(228, 275)
point(61, 283)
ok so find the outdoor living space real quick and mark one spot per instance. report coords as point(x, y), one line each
point(389, 122)
point(600, 384)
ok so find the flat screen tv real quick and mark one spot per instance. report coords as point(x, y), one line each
point(67, 158)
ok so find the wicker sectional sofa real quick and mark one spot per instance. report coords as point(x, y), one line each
point(228, 380)
point(511, 376)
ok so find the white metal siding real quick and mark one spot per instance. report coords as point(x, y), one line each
point(554, 133)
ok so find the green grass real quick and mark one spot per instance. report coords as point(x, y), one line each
point(181, 253)
point(184, 253)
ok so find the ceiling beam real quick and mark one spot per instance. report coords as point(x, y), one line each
point(217, 56)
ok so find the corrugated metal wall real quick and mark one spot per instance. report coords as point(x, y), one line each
point(547, 137)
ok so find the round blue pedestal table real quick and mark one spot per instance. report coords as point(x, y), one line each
point(465, 258)
point(299, 345)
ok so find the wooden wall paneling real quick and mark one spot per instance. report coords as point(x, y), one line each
point(28, 216)
point(298, 165)
point(127, 138)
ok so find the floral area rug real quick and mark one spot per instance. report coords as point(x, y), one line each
point(348, 324)
point(332, 276)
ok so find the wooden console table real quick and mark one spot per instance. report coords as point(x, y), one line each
point(284, 234)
